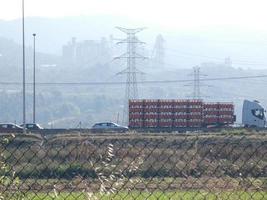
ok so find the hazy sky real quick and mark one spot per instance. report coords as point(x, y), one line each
point(166, 13)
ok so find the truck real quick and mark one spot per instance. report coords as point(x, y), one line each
point(253, 114)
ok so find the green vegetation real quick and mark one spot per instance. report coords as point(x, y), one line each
point(185, 195)
point(175, 156)
point(239, 132)
point(8, 178)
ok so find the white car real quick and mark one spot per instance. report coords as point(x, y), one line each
point(10, 128)
point(108, 127)
point(32, 126)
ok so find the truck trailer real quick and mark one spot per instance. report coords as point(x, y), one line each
point(179, 114)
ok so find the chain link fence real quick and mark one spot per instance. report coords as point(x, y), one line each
point(134, 166)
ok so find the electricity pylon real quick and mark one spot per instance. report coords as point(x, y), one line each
point(158, 53)
point(196, 83)
point(131, 71)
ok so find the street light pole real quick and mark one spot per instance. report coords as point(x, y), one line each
point(34, 35)
point(23, 63)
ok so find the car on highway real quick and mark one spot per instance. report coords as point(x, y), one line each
point(10, 128)
point(105, 127)
point(32, 126)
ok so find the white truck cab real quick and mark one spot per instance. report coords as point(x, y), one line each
point(253, 114)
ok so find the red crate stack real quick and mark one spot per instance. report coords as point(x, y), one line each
point(195, 113)
point(136, 114)
point(165, 114)
point(218, 113)
point(150, 113)
point(210, 111)
point(150, 109)
point(178, 113)
point(226, 113)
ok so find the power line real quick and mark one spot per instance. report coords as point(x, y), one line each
point(138, 82)
point(187, 54)
point(241, 62)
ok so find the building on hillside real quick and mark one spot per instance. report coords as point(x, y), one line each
point(86, 53)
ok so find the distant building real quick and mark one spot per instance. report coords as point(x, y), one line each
point(69, 52)
point(86, 53)
point(228, 61)
point(226, 64)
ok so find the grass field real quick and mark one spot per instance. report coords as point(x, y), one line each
point(188, 195)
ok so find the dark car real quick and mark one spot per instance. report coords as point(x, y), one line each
point(10, 128)
point(32, 126)
point(105, 127)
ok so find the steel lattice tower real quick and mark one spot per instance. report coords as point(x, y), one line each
point(158, 53)
point(196, 83)
point(131, 70)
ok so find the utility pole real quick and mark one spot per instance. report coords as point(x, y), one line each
point(23, 63)
point(131, 71)
point(34, 35)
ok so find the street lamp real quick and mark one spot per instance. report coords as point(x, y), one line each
point(34, 35)
point(23, 63)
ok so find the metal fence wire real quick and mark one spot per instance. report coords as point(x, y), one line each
point(134, 166)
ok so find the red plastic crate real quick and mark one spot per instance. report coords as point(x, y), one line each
point(135, 124)
point(150, 104)
point(179, 124)
point(210, 113)
point(165, 115)
point(162, 109)
point(195, 117)
point(179, 109)
point(150, 124)
point(150, 116)
point(135, 110)
point(135, 117)
point(183, 116)
point(136, 103)
point(194, 124)
point(165, 124)
point(150, 109)
point(194, 109)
